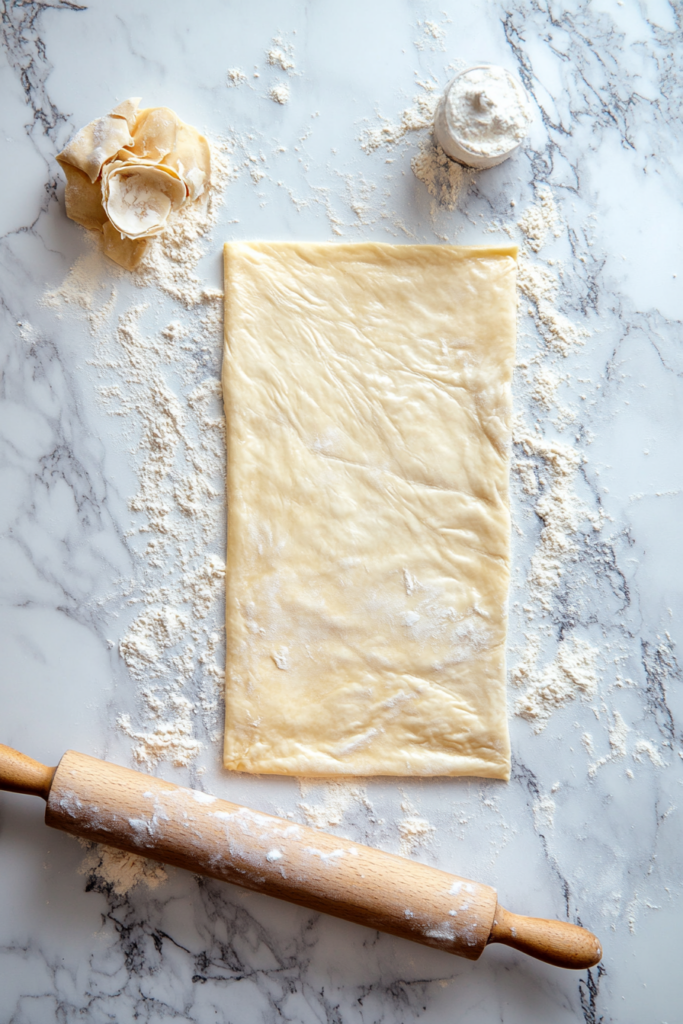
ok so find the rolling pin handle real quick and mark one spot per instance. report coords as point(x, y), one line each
point(21, 774)
point(555, 942)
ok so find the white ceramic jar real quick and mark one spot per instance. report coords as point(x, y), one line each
point(483, 116)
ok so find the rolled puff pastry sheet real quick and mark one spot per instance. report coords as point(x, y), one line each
point(368, 404)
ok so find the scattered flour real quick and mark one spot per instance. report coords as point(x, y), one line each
point(539, 282)
point(432, 35)
point(547, 470)
point(541, 219)
point(81, 292)
point(638, 903)
point(205, 585)
point(648, 749)
point(280, 55)
point(617, 733)
point(419, 115)
point(121, 870)
point(172, 740)
point(558, 506)
point(546, 383)
point(338, 795)
point(444, 178)
point(178, 436)
point(571, 674)
point(540, 285)
point(236, 77)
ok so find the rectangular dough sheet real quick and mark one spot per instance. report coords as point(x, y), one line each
point(367, 395)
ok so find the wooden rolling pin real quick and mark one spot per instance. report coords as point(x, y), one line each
point(189, 829)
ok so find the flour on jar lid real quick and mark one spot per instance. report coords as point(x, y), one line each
point(483, 116)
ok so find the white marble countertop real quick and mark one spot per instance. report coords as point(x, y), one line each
point(587, 828)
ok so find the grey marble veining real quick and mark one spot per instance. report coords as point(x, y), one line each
point(589, 827)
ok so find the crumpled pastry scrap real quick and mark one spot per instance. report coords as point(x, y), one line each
point(367, 392)
point(129, 172)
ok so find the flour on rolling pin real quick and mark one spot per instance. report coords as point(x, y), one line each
point(119, 807)
point(137, 813)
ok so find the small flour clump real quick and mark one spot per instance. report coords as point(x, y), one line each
point(444, 178)
point(205, 585)
point(546, 383)
point(279, 94)
point(487, 111)
point(152, 632)
point(120, 870)
point(433, 35)
point(543, 810)
point(412, 829)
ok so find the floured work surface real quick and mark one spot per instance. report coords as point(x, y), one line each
point(367, 395)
